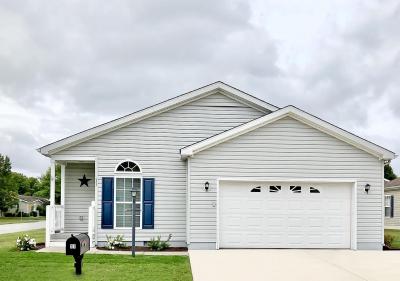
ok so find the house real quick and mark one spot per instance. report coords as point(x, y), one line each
point(28, 204)
point(219, 168)
point(392, 207)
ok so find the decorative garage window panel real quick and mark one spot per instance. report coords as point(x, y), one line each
point(314, 190)
point(295, 188)
point(123, 202)
point(275, 188)
point(256, 189)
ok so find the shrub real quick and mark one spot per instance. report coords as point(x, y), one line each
point(115, 242)
point(23, 214)
point(157, 245)
point(42, 210)
point(26, 243)
point(9, 215)
point(33, 214)
point(389, 240)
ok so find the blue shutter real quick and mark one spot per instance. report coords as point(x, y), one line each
point(107, 203)
point(391, 206)
point(148, 204)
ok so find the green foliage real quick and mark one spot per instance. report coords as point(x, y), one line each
point(8, 192)
point(389, 174)
point(26, 243)
point(157, 245)
point(13, 183)
point(44, 185)
point(389, 240)
point(115, 242)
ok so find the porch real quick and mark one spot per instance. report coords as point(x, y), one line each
point(76, 211)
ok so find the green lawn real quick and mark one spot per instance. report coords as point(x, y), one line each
point(7, 220)
point(16, 265)
point(396, 234)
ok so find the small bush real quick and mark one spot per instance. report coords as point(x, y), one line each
point(157, 245)
point(115, 242)
point(33, 214)
point(23, 214)
point(9, 215)
point(42, 210)
point(389, 240)
point(26, 243)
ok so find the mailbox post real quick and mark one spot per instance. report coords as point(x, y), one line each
point(76, 246)
point(133, 221)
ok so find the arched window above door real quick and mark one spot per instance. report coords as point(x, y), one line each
point(128, 167)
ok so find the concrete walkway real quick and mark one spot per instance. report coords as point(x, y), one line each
point(97, 251)
point(18, 227)
point(299, 265)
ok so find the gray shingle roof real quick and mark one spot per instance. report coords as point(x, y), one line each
point(393, 183)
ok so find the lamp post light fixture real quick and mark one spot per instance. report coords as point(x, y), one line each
point(206, 185)
point(133, 220)
point(367, 187)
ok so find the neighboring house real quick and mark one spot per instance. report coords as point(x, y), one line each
point(392, 204)
point(28, 204)
point(219, 168)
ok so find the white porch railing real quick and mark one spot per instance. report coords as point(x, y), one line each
point(54, 221)
point(92, 223)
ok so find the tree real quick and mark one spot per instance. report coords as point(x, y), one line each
point(389, 174)
point(8, 192)
point(23, 184)
point(44, 185)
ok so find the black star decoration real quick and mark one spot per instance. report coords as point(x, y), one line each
point(84, 181)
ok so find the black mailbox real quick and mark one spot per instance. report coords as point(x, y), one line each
point(76, 246)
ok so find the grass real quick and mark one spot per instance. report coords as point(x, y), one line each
point(396, 234)
point(16, 265)
point(11, 220)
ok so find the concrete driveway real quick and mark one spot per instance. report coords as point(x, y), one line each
point(298, 265)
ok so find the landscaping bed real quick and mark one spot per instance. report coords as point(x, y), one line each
point(145, 249)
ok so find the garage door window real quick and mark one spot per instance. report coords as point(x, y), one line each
point(295, 188)
point(275, 188)
point(256, 189)
point(314, 190)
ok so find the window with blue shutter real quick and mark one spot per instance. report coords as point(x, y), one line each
point(107, 203)
point(148, 204)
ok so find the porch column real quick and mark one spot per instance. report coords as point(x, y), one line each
point(62, 185)
point(53, 182)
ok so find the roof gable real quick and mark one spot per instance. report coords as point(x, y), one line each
point(295, 113)
point(217, 87)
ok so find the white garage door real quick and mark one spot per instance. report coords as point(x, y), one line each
point(284, 215)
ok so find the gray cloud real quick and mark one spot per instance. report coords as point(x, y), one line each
point(69, 65)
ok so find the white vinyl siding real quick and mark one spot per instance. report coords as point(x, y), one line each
point(78, 198)
point(286, 149)
point(154, 144)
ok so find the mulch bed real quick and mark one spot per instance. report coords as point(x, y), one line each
point(145, 249)
point(386, 248)
point(40, 246)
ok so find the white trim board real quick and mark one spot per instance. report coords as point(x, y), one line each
point(301, 116)
point(353, 228)
point(219, 86)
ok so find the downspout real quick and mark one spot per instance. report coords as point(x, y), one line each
point(188, 201)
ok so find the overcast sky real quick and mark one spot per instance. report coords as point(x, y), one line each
point(68, 65)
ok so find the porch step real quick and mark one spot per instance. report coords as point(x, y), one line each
point(61, 237)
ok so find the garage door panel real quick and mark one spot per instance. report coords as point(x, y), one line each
point(284, 219)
